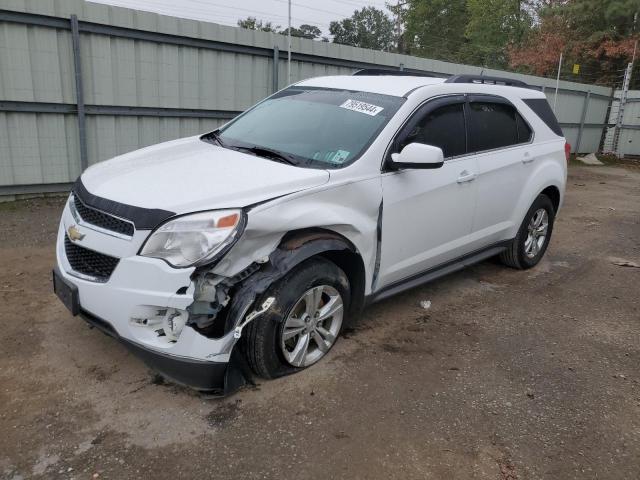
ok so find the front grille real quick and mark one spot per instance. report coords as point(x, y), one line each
point(87, 262)
point(101, 219)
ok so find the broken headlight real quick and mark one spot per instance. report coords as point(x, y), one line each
point(194, 239)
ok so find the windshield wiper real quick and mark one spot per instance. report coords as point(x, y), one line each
point(215, 136)
point(271, 154)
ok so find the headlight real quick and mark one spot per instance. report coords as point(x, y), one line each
point(194, 239)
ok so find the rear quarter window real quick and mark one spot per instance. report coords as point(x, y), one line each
point(524, 131)
point(541, 108)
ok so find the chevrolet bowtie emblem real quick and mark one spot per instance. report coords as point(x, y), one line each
point(74, 234)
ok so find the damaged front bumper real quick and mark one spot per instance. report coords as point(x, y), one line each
point(135, 305)
point(219, 371)
point(215, 377)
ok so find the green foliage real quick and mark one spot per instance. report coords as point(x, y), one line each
point(305, 31)
point(525, 35)
point(493, 25)
point(434, 28)
point(366, 28)
point(252, 23)
point(469, 31)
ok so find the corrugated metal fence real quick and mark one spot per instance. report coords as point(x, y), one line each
point(83, 82)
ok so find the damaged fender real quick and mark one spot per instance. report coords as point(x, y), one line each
point(278, 236)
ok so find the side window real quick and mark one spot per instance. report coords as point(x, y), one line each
point(494, 125)
point(524, 132)
point(444, 128)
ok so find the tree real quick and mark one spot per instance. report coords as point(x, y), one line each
point(599, 35)
point(366, 28)
point(305, 31)
point(252, 23)
point(433, 28)
point(493, 25)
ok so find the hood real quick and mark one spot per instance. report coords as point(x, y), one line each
point(188, 175)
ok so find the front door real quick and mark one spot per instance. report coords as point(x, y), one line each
point(428, 214)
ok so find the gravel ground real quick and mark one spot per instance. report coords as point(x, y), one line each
point(508, 375)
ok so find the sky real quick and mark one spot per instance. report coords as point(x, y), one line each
point(227, 12)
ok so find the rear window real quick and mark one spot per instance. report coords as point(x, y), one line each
point(541, 108)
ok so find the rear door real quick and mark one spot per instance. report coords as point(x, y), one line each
point(427, 214)
point(501, 141)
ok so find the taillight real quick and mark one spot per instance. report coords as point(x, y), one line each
point(567, 151)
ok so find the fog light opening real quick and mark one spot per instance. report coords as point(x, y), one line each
point(173, 323)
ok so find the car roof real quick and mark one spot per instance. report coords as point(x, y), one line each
point(398, 86)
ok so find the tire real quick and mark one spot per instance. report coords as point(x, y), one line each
point(522, 253)
point(268, 353)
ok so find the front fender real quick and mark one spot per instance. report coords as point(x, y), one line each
point(350, 209)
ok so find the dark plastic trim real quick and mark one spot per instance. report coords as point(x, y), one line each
point(437, 272)
point(142, 218)
point(197, 374)
point(483, 79)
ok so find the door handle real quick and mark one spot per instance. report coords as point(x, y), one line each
point(527, 158)
point(466, 177)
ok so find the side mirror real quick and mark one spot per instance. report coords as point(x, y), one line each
point(418, 155)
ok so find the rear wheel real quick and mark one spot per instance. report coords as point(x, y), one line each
point(532, 240)
point(304, 322)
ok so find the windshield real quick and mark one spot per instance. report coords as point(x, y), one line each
point(311, 127)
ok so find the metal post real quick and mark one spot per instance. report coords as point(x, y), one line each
point(555, 97)
point(276, 65)
point(585, 109)
point(289, 48)
point(82, 130)
point(402, 67)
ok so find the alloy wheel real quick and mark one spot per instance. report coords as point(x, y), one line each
point(312, 326)
point(536, 233)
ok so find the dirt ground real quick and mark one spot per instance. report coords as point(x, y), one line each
point(509, 374)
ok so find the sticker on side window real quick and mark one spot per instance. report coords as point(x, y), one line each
point(362, 107)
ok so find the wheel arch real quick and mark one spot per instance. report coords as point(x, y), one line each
point(548, 179)
point(553, 193)
point(348, 259)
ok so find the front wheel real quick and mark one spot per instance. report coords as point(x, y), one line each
point(532, 240)
point(304, 322)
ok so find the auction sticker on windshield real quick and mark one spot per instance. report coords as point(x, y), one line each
point(362, 107)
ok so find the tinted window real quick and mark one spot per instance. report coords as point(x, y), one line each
point(524, 132)
point(541, 107)
point(493, 126)
point(443, 128)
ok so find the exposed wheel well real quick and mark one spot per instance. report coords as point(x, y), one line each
point(554, 195)
point(349, 260)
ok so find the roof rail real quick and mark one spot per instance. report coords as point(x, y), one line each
point(510, 82)
point(396, 73)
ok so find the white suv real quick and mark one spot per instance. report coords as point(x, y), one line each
point(275, 230)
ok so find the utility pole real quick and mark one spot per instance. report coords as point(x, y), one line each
point(398, 27)
point(289, 48)
point(555, 97)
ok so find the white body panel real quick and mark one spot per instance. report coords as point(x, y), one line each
point(429, 216)
point(421, 226)
point(188, 175)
